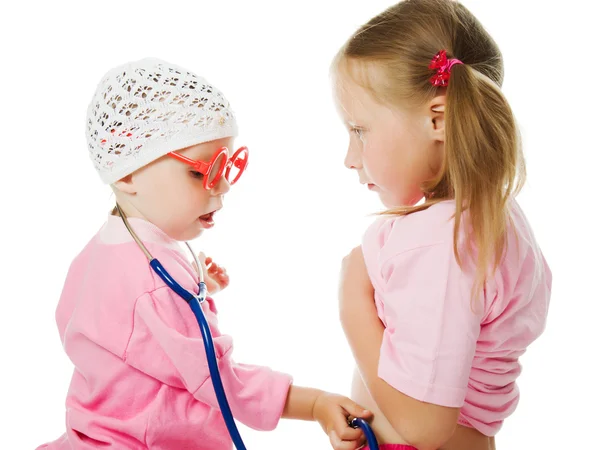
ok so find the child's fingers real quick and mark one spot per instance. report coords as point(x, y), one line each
point(354, 409)
point(224, 280)
point(343, 430)
point(202, 258)
point(350, 434)
point(213, 265)
point(217, 271)
point(339, 444)
point(334, 439)
point(362, 441)
point(213, 268)
point(352, 445)
point(218, 276)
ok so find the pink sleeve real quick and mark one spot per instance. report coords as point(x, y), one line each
point(431, 331)
point(166, 344)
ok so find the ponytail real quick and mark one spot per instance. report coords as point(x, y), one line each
point(484, 164)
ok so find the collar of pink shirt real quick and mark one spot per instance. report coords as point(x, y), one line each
point(114, 232)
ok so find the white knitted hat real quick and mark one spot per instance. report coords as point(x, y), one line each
point(145, 109)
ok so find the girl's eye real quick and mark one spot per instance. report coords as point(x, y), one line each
point(196, 174)
point(357, 131)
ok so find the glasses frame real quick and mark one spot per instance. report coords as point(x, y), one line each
point(239, 160)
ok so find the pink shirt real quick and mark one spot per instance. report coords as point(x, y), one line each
point(141, 378)
point(437, 348)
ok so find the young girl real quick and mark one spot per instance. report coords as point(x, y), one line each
point(159, 135)
point(449, 287)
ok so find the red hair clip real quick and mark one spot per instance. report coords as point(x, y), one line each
point(443, 65)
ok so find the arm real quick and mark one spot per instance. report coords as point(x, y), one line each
point(424, 425)
point(166, 344)
point(331, 411)
point(300, 403)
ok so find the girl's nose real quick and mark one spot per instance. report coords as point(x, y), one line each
point(352, 160)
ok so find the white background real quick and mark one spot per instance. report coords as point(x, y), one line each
point(298, 211)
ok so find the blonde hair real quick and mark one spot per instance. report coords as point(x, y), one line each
point(483, 166)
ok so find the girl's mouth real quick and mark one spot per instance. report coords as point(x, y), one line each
point(207, 220)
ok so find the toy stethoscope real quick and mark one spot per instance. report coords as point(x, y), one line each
point(195, 300)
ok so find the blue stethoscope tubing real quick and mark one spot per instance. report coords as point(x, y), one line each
point(195, 301)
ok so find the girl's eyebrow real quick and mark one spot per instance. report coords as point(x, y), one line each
point(352, 124)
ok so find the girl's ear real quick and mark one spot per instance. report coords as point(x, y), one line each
point(437, 108)
point(126, 185)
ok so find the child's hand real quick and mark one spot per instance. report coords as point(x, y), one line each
point(332, 412)
point(215, 276)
